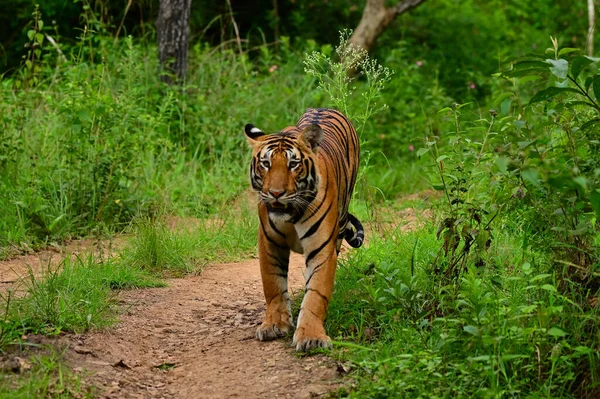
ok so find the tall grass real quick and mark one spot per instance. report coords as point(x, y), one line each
point(174, 246)
point(75, 295)
point(99, 141)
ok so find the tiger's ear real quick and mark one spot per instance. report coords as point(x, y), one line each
point(253, 133)
point(312, 136)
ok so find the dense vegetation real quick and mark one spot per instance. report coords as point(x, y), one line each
point(495, 296)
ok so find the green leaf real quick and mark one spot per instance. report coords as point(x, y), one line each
point(581, 181)
point(588, 83)
point(556, 332)
point(583, 350)
point(503, 97)
point(523, 68)
point(40, 24)
point(521, 65)
point(505, 106)
point(502, 163)
point(529, 78)
point(471, 330)
point(559, 68)
point(550, 92)
point(548, 287)
point(166, 366)
point(595, 201)
point(512, 356)
point(30, 34)
point(441, 158)
point(571, 104)
point(590, 123)
point(84, 115)
point(596, 86)
point(484, 358)
point(580, 230)
point(422, 151)
point(55, 222)
point(578, 65)
point(532, 176)
point(459, 106)
point(567, 50)
point(525, 72)
point(524, 56)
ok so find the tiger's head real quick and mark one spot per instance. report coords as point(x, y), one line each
point(284, 168)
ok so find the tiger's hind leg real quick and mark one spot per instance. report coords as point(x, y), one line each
point(274, 261)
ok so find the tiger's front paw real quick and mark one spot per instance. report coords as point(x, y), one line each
point(270, 331)
point(309, 338)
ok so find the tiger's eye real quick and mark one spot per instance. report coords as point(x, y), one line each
point(265, 164)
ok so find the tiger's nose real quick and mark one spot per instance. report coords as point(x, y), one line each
point(276, 193)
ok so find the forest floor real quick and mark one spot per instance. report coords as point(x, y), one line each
point(192, 339)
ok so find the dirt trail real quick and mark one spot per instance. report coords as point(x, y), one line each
point(195, 339)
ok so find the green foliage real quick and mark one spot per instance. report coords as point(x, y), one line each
point(95, 145)
point(497, 299)
point(502, 331)
point(157, 248)
point(497, 322)
point(337, 75)
point(462, 165)
point(549, 156)
point(488, 31)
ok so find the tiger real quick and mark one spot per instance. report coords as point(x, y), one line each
point(304, 176)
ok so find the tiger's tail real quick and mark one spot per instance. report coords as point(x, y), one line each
point(355, 233)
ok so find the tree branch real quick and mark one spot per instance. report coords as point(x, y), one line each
point(375, 19)
point(406, 5)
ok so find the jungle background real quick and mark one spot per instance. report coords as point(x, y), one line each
point(490, 129)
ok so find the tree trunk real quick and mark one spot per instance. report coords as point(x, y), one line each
point(591, 24)
point(376, 17)
point(173, 33)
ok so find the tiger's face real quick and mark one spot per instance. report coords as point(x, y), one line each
point(283, 169)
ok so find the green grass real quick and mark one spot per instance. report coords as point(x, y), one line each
point(502, 331)
point(190, 244)
point(75, 295)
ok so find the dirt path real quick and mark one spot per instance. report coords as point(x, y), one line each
point(195, 339)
